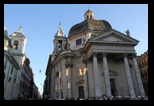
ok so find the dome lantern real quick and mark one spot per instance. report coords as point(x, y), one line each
point(89, 14)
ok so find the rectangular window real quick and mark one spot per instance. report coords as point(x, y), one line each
point(5, 64)
point(14, 80)
point(78, 42)
point(12, 70)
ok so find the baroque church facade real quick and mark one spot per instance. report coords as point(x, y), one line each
point(94, 60)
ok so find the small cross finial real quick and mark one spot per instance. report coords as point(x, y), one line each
point(59, 22)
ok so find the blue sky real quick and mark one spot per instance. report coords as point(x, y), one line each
point(40, 23)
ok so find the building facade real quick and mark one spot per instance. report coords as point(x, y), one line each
point(94, 60)
point(142, 61)
point(18, 76)
point(11, 70)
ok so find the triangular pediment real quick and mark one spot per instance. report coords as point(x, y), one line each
point(114, 36)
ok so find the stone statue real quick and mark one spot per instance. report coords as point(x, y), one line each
point(127, 32)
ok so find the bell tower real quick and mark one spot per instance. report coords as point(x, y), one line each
point(18, 42)
point(59, 40)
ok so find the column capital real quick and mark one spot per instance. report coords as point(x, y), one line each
point(125, 54)
point(68, 64)
point(134, 54)
point(94, 53)
point(104, 53)
point(89, 60)
point(84, 61)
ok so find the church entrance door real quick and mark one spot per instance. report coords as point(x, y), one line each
point(113, 89)
point(81, 91)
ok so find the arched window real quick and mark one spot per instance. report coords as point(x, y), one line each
point(15, 46)
point(90, 16)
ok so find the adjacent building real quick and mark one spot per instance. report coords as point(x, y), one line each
point(93, 60)
point(18, 75)
point(11, 70)
point(142, 61)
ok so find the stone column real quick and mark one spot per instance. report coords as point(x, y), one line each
point(90, 78)
point(55, 46)
point(52, 83)
point(69, 80)
point(56, 83)
point(63, 45)
point(85, 79)
point(138, 76)
point(68, 66)
point(96, 76)
point(128, 75)
point(64, 79)
point(106, 75)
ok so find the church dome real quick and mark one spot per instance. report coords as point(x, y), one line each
point(98, 25)
point(89, 23)
point(5, 31)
